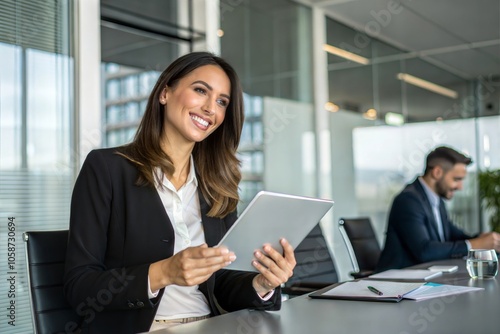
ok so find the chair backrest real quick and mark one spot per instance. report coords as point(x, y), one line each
point(315, 266)
point(45, 254)
point(361, 244)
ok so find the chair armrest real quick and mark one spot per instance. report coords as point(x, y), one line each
point(302, 288)
point(362, 273)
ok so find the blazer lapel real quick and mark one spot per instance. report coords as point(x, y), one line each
point(212, 227)
point(163, 228)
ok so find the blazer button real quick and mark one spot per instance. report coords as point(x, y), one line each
point(130, 305)
point(140, 304)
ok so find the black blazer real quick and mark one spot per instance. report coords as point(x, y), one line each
point(412, 235)
point(117, 229)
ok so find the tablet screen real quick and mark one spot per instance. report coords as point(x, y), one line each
point(268, 218)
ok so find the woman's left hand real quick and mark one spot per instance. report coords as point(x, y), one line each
point(275, 268)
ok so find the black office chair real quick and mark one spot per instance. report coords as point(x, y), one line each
point(315, 268)
point(45, 254)
point(362, 245)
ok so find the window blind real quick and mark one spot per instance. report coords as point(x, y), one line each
point(29, 201)
point(36, 24)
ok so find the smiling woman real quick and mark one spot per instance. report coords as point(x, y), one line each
point(151, 212)
point(178, 90)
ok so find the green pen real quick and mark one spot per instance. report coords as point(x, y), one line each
point(374, 290)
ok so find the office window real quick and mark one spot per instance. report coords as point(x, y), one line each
point(132, 111)
point(11, 118)
point(130, 85)
point(374, 154)
point(36, 149)
point(127, 91)
point(134, 50)
point(112, 87)
point(113, 114)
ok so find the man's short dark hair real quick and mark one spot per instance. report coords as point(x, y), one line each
point(446, 158)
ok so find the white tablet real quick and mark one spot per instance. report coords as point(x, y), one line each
point(268, 218)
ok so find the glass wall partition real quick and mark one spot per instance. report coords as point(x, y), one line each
point(388, 157)
point(390, 108)
point(36, 149)
point(269, 43)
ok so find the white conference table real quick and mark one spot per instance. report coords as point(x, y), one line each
point(473, 312)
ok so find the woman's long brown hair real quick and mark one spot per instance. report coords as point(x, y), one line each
point(215, 158)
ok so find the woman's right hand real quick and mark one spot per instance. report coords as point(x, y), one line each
point(191, 266)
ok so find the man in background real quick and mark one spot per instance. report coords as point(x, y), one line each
point(419, 229)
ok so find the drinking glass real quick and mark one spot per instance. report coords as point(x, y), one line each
point(482, 263)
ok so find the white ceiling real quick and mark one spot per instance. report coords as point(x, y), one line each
point(460, 36)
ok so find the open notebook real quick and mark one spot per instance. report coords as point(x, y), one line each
point(391, 291)
point(358, 290)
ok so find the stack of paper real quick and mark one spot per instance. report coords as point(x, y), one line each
point(407, 274)
point(433, 290)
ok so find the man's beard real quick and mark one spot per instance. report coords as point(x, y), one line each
point(442, 190)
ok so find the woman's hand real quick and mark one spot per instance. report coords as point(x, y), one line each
point(275, 269)
point(191, 266)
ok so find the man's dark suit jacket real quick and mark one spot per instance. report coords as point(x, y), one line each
point(412, 234)
point(117, 229)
